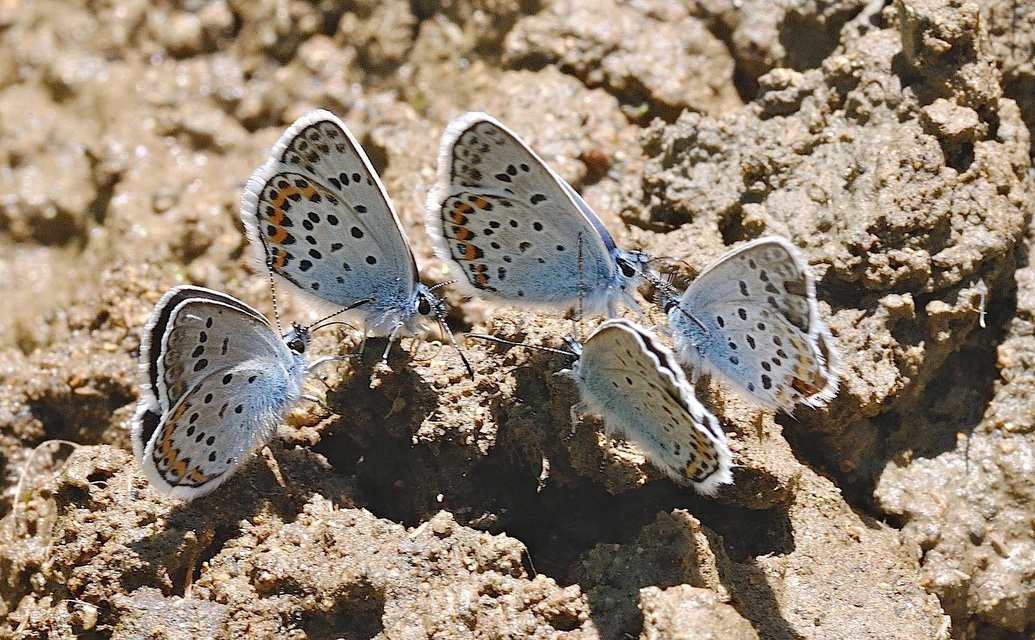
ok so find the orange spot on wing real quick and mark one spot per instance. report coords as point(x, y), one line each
point(282, 196)
point(167, 460)
point(464, 234)
point(179, 468)
point(480, 273)
point(692, 470)
point(279, 259)
point(481, 203)
point(460, 211)
point(280, 235)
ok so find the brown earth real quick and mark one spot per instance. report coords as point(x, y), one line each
point(891, 143)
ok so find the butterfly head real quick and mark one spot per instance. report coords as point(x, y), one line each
point(634, 266)
point(297, 339)
point(428, 305)
point(574, 346)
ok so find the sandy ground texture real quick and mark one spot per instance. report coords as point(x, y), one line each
point(891, 143)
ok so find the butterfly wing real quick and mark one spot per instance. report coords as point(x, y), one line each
point(321, 212)
point(215, 380)
point(752, 318)
point(187, 335)
point(634, 382)
point(511, 229)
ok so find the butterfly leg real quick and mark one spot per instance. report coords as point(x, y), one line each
point(325, 359)
point(574, 414)
point(391, 340)
point(318, 402)
point(417, 341)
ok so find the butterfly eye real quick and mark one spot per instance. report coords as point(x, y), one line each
point(627, 269)
point(297, 345)
point(424, 306)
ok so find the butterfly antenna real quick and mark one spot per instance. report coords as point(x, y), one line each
point(662, 260)
point(538, 347)
point(331, 324)
point(313, 326)
point(664, 281)
point(661, 280)
point(440, 285)
point(579, 310)
point(273, 288)
point(667, 289)
point(452, 339)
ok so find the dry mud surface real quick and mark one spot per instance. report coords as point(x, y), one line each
point(891, 143)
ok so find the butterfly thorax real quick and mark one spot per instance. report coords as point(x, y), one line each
point(414, 316)
point(575, 371)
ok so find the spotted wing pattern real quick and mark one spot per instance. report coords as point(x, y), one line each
point(513, 231)
point(216, 380)
point(319, 214)
point(752, 318)
point(635, 384)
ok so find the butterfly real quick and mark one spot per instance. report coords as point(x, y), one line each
point(629, 378)
point(215, 381)
point(633, 381)
point(317, 215)
point(513, 231)
point(751, 318)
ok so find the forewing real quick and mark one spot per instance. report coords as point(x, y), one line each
point(497, 206)
point(321, 212)
point(506, 251)
point(208, 332)
point(184, 322)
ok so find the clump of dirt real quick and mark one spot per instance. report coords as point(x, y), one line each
point(888, 142)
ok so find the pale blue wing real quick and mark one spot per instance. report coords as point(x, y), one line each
point(752, 318)
point(513, 230)
point(321, 212)
point(215, 381)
